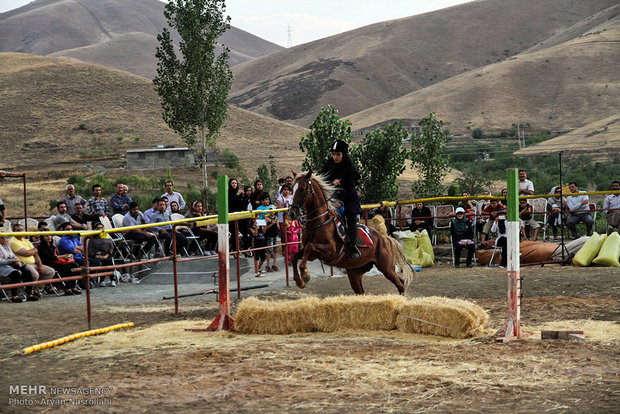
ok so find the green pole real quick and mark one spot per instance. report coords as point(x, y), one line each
point(512, 199)
point(222, 199)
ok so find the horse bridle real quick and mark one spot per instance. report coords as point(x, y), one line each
point(302, 210)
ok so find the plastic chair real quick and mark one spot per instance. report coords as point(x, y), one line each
point(117, 238)
point(442, 219)
point(190, 236)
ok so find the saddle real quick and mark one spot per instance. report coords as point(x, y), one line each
point(364, 239)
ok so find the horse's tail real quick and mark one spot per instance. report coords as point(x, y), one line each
point(400, 259)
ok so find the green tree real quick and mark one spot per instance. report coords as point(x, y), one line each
point(326, 128)
point(380, 158)
point(194, 87)
point(269, 177)
point(428, 153)
point(477, 133)
point(474, 180)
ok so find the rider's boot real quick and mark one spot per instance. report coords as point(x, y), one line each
point(352, 250)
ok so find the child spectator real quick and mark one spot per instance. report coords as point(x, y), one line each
point(258, 233)
point(284, 200)
point(525, 219)
point(292, 233)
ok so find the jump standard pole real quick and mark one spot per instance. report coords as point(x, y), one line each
point(223, 321)
point(512, 327)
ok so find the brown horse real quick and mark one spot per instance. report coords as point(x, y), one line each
point(311, 195)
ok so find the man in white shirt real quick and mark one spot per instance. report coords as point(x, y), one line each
point(579, 205)
point(526, 187)
point(612, 201)
point(173, 196)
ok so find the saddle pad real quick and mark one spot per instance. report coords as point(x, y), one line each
point(364, 239)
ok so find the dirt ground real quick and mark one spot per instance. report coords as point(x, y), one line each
point(157, 366)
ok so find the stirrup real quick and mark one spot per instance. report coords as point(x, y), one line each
point(353, 251)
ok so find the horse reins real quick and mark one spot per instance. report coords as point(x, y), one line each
point(301, 208)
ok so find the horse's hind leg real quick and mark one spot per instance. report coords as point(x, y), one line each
point(355, 279)
point(386, 265)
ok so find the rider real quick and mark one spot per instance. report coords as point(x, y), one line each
point(341, 171)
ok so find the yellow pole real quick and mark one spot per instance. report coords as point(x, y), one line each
point(68, 338)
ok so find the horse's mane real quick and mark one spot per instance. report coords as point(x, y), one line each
point(327, 188)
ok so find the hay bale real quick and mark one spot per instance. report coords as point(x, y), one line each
point(377, 223)
point(459, 318)
point(357, 312)
point(256, 316)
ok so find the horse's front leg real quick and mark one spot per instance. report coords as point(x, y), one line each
point(312, 251)
point(294, 258)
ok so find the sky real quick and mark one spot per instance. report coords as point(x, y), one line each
point(308, 20)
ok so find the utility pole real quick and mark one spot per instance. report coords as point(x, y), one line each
point(289, 41)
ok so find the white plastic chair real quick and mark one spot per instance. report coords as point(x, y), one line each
point(191, 237)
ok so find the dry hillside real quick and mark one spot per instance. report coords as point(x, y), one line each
point(378, 63)
point(602, 137)
point(51, 108)
point(114, 33)
point(561, 87)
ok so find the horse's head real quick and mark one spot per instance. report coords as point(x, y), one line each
point(302, 189)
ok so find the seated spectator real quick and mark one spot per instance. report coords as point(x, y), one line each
point(462, 237)
point(612, 201)
point(490, 214)
point(62, 263)
point(421, 218)
point(15, 270)
point(119, 202)
point(482, 204)
point(499, 227)
point(468, 206)
point(83, 219)
point(174, 208)
point(100, 248)
point(208, 232)
point(172, 195)
point(580, 210)
point(71, 244)
point(2, 213)
point(148, 213)
point(134, 217)
point(164, 232)
point(72, 199)
point(555, 206)
point(525, 219)
point(97, 205)
point(62, 216)
point(29, 255)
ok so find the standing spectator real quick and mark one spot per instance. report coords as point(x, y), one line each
point(526, 187)
point(292, 231)
point(62, 216)
point(72, 199)
point(255, 198)
point(235, 196)
point(97, 205)
point(462, 237)
point(468, 206)
point(82, 218)
point(271, 234)
point(174, 208)
point(29, 255)
point(2, 213)
point(525, 219)
point(173, 196)
point(580, 210)
point(284, 200)
point(164, 232)
point(281, 182)
point(15, 270)
point(555, 206)
point(244, 224)
point(421, 218)
point(499, 227)
point(612, 201)
point(504, 196)
point(119, 202)
point(134, 217)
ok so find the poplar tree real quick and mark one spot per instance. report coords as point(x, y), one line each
point(428, 153)
point(194, 86)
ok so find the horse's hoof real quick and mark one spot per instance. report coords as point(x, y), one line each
point(300, 283)
point(305, 277)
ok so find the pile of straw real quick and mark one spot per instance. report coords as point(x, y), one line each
point(432, 316)
point(256, 316)
point(377, 223)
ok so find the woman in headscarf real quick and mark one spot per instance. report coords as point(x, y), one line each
point(341, 172)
